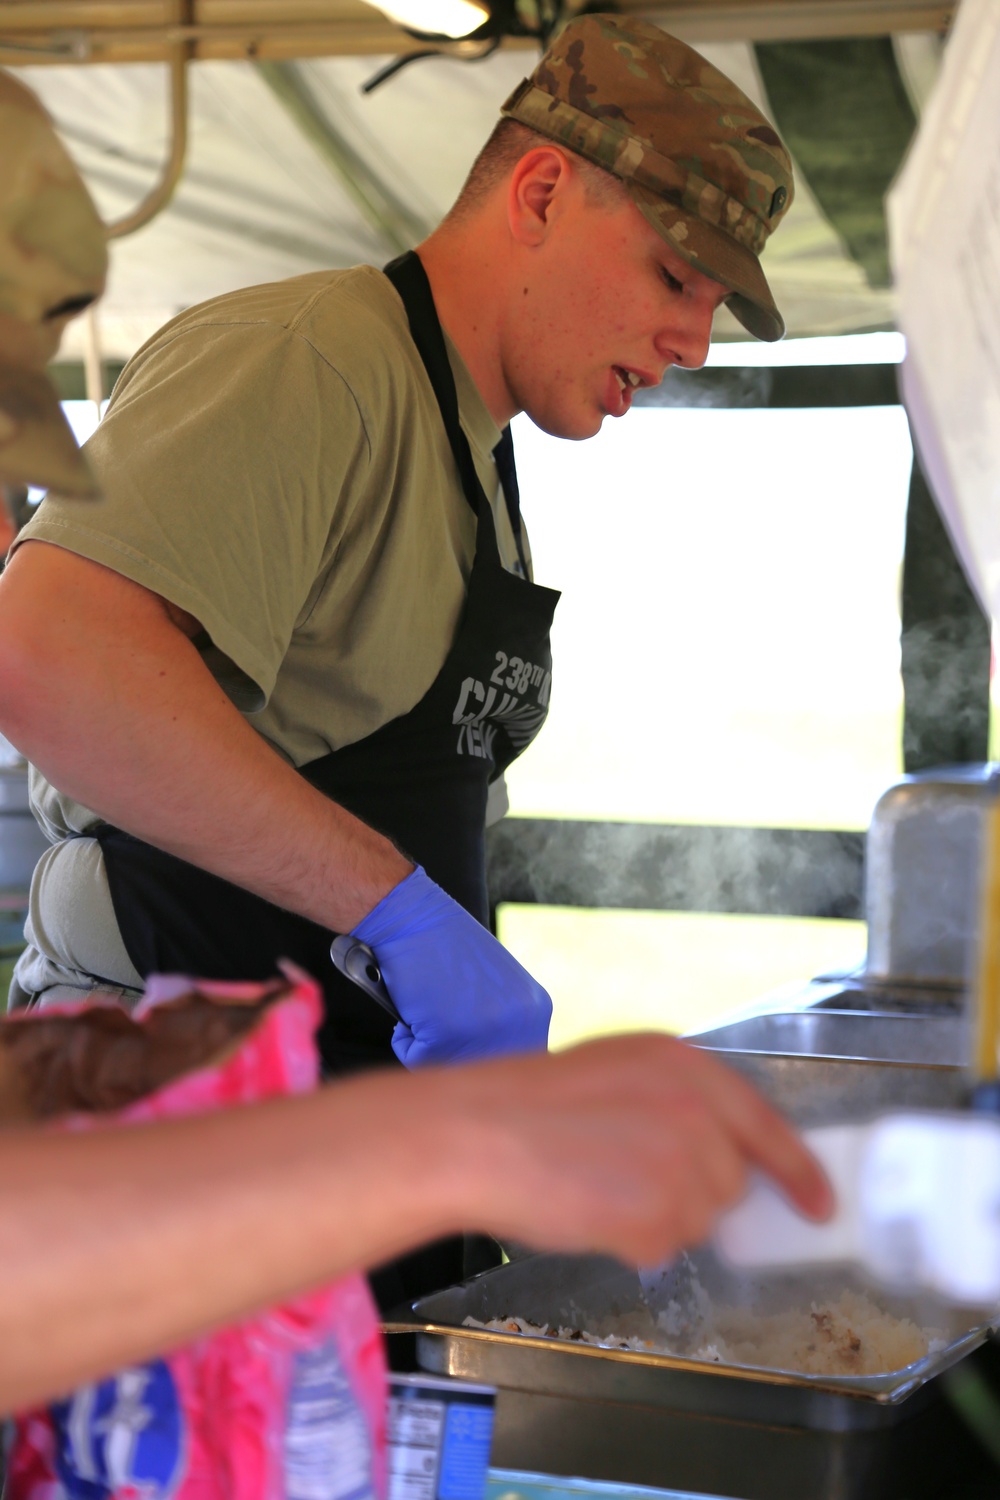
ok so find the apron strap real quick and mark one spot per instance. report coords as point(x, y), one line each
point(503, 455)
point(409, 278)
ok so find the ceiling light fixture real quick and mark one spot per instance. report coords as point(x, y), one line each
point(452, 19)
point(467, 29)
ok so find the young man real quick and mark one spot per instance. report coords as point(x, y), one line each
point(118, 1244)
point(298, 643)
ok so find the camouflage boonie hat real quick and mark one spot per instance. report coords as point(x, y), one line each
point(53, 261)
point(700, 160)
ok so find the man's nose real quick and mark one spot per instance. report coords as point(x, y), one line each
point(686, 342)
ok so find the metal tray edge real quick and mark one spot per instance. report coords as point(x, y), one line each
point(879, 1390)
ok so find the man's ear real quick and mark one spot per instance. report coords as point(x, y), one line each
point(538, 186)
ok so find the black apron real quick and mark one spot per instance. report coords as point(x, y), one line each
point(421, 779)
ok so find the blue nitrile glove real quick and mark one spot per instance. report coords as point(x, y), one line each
point(459, 991)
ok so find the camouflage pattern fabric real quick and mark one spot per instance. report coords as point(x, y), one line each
point(702, 163)
point(53, 262)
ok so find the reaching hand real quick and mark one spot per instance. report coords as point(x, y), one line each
point(632, 1145)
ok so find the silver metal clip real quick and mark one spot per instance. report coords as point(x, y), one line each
point(357, 962)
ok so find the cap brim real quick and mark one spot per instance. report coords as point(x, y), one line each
point(716, 254)
point(37, 446)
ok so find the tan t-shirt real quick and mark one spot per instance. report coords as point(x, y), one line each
point(274, 463)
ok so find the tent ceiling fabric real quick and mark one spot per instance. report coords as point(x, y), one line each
point(258, 201)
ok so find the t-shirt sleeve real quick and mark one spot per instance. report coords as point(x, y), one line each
point(225, 459)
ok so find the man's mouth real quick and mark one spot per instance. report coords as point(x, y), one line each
point(627, 379)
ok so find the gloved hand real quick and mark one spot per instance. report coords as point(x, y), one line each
point(459, 992)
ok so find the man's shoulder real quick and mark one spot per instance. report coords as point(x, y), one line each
point(350, 321)
point(337, 312)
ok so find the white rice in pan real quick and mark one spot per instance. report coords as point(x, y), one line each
point(850, 1335)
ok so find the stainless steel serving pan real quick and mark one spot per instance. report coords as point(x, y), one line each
point(648, 1419)
point(831, 1090)
point(591, 1292)
point(860, 1035)
point(866, 992)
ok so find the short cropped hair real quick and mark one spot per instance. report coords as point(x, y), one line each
point(509, 141)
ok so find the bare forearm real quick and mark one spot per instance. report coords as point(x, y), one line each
point(113, 703)
point(119, 1244)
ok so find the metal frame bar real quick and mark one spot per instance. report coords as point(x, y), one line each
point(98, 31)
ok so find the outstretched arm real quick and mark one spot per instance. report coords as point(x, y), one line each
point(120, 1243)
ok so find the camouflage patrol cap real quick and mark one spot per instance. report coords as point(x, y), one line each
point(700, 160)
point(53, 261)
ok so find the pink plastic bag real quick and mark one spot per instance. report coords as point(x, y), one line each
point(289, 1405)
